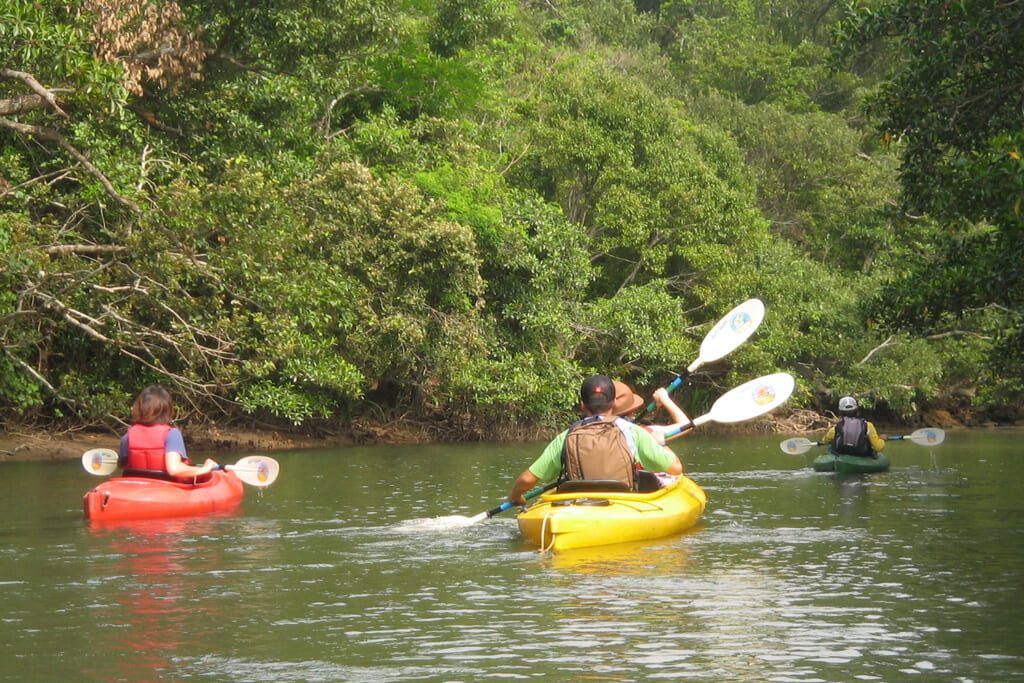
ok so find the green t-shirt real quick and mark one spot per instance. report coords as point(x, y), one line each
point(653, 456)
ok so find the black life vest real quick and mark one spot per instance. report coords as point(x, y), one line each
point(598, 448)
point(852, 437)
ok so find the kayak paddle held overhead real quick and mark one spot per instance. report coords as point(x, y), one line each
point(725, 337)
point(255, 470)
point(926, 436)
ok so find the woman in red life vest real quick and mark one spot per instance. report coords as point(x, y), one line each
point(152, 447)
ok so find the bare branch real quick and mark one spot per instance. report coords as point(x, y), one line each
point(89, 249)
point(53, 136)
point(42, 380)
point(515, 161)
point(21, 103)
point(958, 333)
point(151, 119)
point(887, 342)
point(325, 121)
point(30, 81)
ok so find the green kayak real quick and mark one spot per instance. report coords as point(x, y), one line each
point(850, 464)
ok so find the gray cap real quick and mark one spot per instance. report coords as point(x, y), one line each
point(847, 404)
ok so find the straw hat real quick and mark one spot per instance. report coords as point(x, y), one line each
point(626, 402)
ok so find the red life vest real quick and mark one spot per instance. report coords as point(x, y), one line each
point(146, 447)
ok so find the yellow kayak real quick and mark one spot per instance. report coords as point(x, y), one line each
point(574, 518)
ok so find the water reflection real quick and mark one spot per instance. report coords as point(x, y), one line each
point(638, 559)
point(144, 624)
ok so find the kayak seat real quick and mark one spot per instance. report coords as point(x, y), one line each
point(647, 482)
point(585, 485)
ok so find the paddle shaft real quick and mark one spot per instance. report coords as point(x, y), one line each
point(532, 493)
point(927, 436)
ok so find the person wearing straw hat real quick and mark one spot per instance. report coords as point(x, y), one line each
point(627, 402)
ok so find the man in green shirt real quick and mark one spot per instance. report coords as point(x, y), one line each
point(597, 401)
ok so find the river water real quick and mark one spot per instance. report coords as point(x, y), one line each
point(334, 573)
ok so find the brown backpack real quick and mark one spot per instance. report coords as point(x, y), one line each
point(598, 449)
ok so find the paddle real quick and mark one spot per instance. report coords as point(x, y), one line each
point(455, 521)
point(255, 470)
point(756, 397)
point(532, 493)
point(731, 331)
point(926, 436)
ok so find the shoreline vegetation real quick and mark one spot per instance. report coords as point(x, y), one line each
point(427, 221)
point(24, 444)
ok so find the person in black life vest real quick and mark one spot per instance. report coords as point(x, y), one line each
point(152, 447)
point(853, 435)
point(600, 446)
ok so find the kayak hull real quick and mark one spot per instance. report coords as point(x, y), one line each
point(121, 498)
point(850, 464)
point(563, 521)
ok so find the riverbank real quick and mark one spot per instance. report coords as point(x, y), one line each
point(15, 445)
point(210, 439)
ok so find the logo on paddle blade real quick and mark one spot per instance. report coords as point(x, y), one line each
point(97, 461)
point(263, 472)
point(790, 446)
point(737, 324)
point(741, 322)
point(763, 394)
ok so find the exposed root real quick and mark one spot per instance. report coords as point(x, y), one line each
point(801, 421)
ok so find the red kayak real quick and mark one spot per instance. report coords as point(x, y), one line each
point(146, 498)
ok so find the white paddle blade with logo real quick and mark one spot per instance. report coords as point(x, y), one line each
point(731, 331)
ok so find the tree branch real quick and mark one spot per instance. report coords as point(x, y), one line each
point(36, 86)
point(53, 136)
point(887, 342)
point(90, 249)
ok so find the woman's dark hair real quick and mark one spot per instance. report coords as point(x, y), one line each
point(152, 407)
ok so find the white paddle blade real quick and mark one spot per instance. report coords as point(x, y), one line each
point(929, 436)
point(99, 461)
point(256, 470)
point(756, 397)
point(731, 331)
point(797, 445)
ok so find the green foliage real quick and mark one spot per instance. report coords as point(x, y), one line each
point(461, 24)
point(759, 52)
point(454, 210)
point(952, 108)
